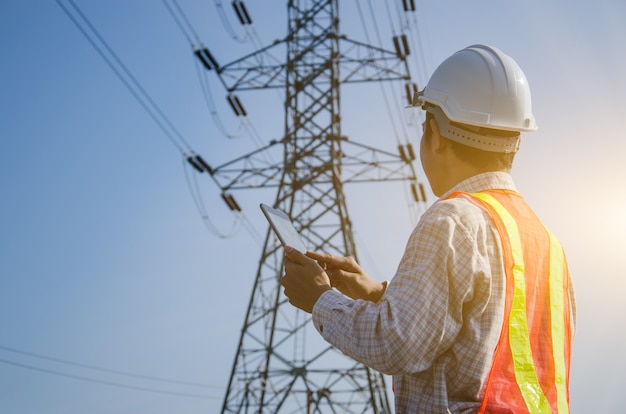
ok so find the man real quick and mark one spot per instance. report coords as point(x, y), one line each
point(480, 313)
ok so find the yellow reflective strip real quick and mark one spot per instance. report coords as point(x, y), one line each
point(558, 322)
point(519, 337)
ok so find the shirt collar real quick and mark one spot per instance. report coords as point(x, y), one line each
point(485, 181)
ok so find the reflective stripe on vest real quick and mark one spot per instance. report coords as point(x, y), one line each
point(519, 381)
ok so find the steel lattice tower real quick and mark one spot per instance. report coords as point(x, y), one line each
point(282, 365)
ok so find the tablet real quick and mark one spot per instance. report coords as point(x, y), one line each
point(283, 227)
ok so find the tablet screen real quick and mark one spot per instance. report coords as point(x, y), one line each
point(283, 227)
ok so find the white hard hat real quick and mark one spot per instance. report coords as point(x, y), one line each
point(483, 87)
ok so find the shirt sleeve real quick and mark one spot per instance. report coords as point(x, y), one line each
point(421, 312)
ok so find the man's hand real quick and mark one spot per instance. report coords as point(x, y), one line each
point(348, 277)
point(304, 280)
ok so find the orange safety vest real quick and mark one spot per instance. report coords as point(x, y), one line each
point(531, 363)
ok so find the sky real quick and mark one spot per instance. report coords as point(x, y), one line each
point(116, 296)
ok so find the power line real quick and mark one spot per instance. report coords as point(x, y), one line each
point(226, 23)
point(186, 20)
point(133, 85)
point(208, 99)
point(141, 95)
point(194, 189)
point(382, 86)
point(179, 23)
point(245, 20)
point(246, 123)
point(240, 217)
point(399, 112)
point(102, 369)
point(103, 382)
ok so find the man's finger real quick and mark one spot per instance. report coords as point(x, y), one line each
point(296, 256)
point(330, 260)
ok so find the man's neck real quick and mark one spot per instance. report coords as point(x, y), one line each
point(460, 174)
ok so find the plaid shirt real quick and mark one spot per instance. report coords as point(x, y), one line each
point(437, 325)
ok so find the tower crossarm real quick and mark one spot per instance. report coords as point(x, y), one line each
point(362, 163)
point(359, 164)
point(361, 62)
point(358, 62)
point(257, 169)
point(258, 70)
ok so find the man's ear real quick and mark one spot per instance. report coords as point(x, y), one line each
point(437, 142)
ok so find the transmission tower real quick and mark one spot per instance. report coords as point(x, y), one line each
point(282, 364)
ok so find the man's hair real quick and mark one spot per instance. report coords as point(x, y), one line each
point(479, 159)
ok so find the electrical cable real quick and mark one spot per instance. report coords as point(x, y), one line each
point(375, 23)
point(252, 230)
point(154, 110)
point(256, 137)
point(226, 23)
point(245, 121)
point(395, 98)
point(102, 369)
point(414, 119)
point(241, 219)
point(409, 118)
point(251, 33)
point(196, 195)
point(208, 99)
point(406, 117)
point(385, 98)
point(415, 40)
point(391, 25)
point(407, 21)
point(410, 27)
point(189, 25)
point(399, 12)
point(104, 382)
point(178, 23)
point(363, 23)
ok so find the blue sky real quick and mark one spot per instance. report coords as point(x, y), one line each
point(105, 260)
